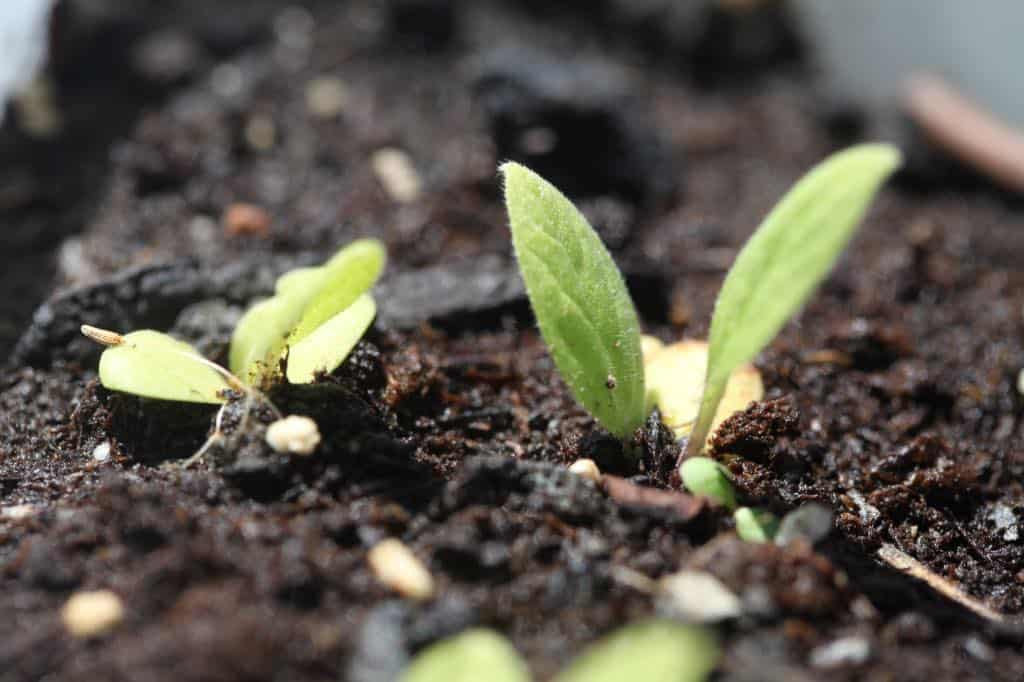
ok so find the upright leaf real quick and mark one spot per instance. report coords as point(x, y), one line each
point(786, 258)
point(331, 342)
point(649, 650)
point(472, 656)
point(580, 299)
point(155, 365)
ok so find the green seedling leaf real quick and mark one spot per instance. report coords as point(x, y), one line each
point(154, 365)
point(660, 650)
point(580, 300)
point(304, 299)
point(330, 343)
point(704, 476)
point(785, 259)
point(475, 655)
point(349, 274)
point(755, 525)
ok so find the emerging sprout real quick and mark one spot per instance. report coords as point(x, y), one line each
point(782, 263)
point(755, 525)
point(704, 476)
point(580, 300)
point(315, 317)
point(649, 650)
point(477, 654)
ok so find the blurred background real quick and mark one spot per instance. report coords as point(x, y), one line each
point(141, 131)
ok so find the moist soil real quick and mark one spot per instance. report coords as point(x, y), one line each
point(892, 399)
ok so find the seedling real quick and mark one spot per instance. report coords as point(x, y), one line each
point(656, 649)
point(315, 318)
point(792, 250)
point(755, 525)
point(584, 311)
point(704, 476)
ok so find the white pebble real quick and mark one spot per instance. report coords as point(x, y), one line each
point(396, 566)
point(396, 172)
point(16, 512)
point(101, 453)
point(92, 613)
point(698, 597)
point(326, 96)
point(294, 434)
point(843, 651)
point(586, 468)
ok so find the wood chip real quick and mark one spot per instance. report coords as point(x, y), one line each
point(246, 219)
point(965, 130)
point(625, 492)
point(396, 566)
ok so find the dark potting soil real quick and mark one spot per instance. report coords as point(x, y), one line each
point(892, 399)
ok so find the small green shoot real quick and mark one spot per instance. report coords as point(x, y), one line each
point(580, 300)
point(704, 476)
point(649, 650)
point(312, 317)
point(474, 655)
point(755, 525)
point(787, 257)
point(154, 365)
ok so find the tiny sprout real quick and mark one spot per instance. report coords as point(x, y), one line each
point(788, 255)
point(580, 300)
point(755, 525)
point(704, 476)
point(657, 649)
point(476, 654)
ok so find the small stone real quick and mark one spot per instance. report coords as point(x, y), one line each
point(812, 521)
point(698, 597)
point(260, 133)
point(101, 453)
point(396, 566)
point(326, 96)
point(1020, 382)
point(92, 613)
point(16, 512)
point(293, 434)
point(586, 468)
point(396, 172)
point(242, 219)
point(843, 651)
point(1005, 521)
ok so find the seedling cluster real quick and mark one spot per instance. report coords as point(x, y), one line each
point(588, 321)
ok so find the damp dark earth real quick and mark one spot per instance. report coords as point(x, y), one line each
point(206, 148)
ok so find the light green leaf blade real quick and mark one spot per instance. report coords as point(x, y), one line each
point(154, 365)
point(259, 337)
point(652, 651)
point(706, 477)
point(475, 655)
point(349, 274)
point(792, 250)
point(329, 345)
point(755, 525)
point(580, 300)
point(306, 279)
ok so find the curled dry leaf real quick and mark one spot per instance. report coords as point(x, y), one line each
point(675, 383)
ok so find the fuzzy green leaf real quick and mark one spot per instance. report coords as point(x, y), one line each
point(580, 300)
point(331, 342)
point(475, 655)
point(154, 365)
point(786, 258)
point(660, 650)
point(350, 273)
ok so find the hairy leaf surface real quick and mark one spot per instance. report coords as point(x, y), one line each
point(786, 258)
point(580, 300)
